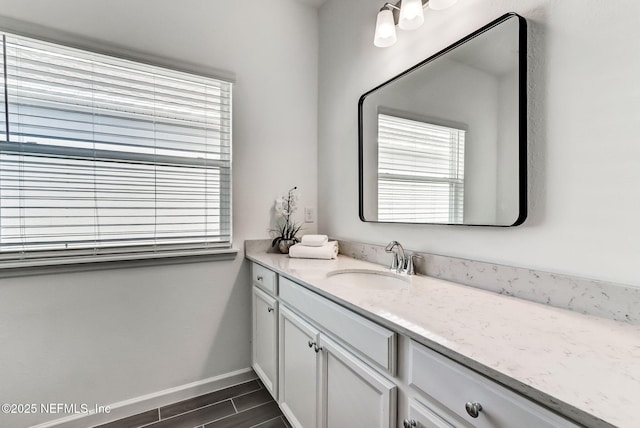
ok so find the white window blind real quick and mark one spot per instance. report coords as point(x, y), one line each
point(102, 155)
point(420, 171)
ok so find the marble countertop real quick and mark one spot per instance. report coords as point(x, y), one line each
point(584, 367)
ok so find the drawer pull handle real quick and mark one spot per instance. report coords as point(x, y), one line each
point(473, 409)
point(409, 423)
point(270, 309)
point(259, 278)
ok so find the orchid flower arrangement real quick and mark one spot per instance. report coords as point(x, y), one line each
point(286, 228)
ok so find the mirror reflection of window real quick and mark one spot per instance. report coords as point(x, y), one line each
point(420, 171)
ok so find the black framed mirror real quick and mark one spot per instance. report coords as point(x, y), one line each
point(445, 141)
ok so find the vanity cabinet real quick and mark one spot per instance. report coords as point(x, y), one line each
point(330, 367)
point(264, 358)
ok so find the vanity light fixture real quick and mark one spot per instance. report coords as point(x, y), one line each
point(411, 15)
point(385, 27)
point(408, 14)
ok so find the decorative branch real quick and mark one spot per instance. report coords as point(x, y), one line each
point(285, 227)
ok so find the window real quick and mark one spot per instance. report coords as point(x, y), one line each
point(101, 156)
point(420, 171)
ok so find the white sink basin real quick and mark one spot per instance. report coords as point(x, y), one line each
point(368, 279)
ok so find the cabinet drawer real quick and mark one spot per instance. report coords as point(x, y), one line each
point(264, 278)
point(365, 337)
point(453, 385)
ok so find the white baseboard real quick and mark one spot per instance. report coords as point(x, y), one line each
point(147, 402)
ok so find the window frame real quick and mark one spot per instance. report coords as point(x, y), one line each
point(127, 253)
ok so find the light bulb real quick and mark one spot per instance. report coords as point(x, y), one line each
point(411, 14)
point(385, 29)
point(441, 4)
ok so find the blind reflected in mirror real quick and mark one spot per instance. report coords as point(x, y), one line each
point(420, 171)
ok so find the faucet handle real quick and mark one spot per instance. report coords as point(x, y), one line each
point(411, 263)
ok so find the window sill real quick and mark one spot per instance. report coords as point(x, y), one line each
point(117, 261)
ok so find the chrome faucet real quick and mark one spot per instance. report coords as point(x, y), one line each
point(400, 263)
point(398, 260)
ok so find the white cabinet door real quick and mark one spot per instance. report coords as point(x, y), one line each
point(354, 395)
point(265, 344)
point(300, 362)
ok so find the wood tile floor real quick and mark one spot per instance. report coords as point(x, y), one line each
point(247, 405)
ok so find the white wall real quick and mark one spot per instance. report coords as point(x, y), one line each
point(583, 114)
point(106, 336)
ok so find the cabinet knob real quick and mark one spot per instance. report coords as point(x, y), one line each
point(270, 309)
point(259, 278)
point(311, 344)
point(473, 409)
point(409, 423)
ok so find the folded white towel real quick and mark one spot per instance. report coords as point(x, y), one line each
point(327, 251)
point(314, 240)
